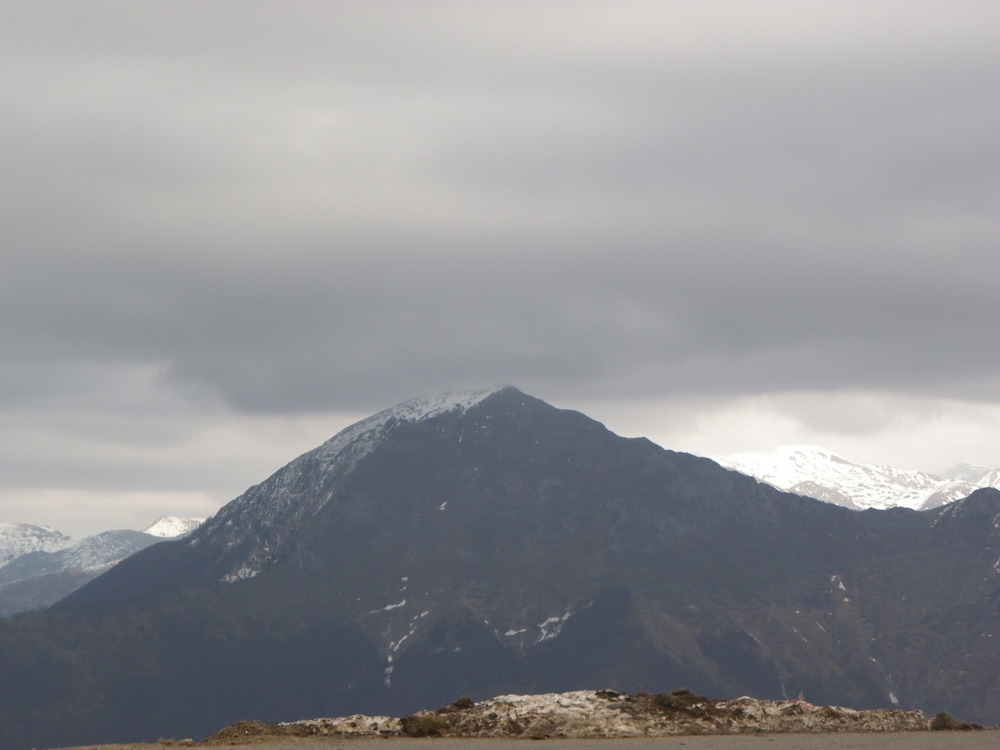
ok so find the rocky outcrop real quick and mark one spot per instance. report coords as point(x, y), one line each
point(603, 714)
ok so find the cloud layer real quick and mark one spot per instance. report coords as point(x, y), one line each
point(301, 208)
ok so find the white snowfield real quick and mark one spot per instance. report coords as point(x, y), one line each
point(171, 527)
point(820, 473)
point(18, 539)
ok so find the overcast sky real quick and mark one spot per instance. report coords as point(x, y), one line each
point(231, 228)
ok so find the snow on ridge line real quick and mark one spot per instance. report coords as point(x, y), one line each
point(423, 407)
point(336, 457)
point(362, 436)
point(170, 527)
point(6, 527)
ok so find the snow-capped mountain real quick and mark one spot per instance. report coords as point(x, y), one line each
point(171, 527)
point(490, 543)
point(976, 475)
point(39, 565)
point(820, 473)
point(90, 553)
point(18, 539)
point(259, 507)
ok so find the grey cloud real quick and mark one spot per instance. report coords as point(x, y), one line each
point(279, 338)
point(331, 209)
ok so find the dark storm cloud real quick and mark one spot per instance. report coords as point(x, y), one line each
point(305, 206)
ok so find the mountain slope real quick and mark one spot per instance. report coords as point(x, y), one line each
point(42, 565)
point(18, 539)
point(490, 544)
point(817, 472)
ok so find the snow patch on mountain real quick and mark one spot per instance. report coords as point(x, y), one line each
point(552, 627)
point(822, 474)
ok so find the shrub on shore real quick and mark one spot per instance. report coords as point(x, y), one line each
point(422, 725)
point(946, 722)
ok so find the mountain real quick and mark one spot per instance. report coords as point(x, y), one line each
point(18, 539)
point(977, 475)
point(39, 565)
point(817, 472)
point(488, 544)
point(171, 527)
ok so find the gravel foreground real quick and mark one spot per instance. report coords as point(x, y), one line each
point(988, 739)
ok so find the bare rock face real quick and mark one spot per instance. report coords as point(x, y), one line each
point(609, 714)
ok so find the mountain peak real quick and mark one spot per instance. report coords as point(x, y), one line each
point(359, 438)
point(18, 539)
point(278, 502)
point(474, 544)
point(171, 527)
point(423, 407)
point(822, 474)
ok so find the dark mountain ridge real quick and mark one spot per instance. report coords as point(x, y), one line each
point(492, 543)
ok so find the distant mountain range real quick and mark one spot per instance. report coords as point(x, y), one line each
point(39, 565)
point(817, 472)
point(488, 543)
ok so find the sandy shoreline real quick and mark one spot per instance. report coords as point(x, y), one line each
point(983, 740)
